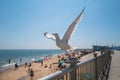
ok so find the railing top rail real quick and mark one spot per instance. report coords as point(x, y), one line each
point(88, 60)
point(56, 74)
point(84, 62)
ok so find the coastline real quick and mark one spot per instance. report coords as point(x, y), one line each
point(40, 71)
point(26, 55)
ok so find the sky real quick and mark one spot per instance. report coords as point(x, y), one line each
point(24, 22)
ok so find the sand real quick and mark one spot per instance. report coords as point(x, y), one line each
point(39, 71)
point(115, 66)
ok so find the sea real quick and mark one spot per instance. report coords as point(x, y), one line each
point(25, 55)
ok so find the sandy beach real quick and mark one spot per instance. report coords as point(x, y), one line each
point(39, 71)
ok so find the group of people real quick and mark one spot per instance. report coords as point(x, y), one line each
point(30, 70)
point(63, 60)
point(41, 60)
point(62, 63)
point(16, 65)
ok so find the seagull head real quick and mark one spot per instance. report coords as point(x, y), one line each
point(55, 34)
point(45, 33)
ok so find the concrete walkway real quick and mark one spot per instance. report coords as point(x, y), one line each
point(115, 66)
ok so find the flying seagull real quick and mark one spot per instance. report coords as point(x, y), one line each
point(63, 43)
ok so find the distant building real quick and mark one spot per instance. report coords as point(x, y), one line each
point(98, 48)
point(115, 47)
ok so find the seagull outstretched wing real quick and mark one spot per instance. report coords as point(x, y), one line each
point(72, 27)
point(49, 36)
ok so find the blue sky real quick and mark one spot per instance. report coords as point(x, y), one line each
point(23, 22)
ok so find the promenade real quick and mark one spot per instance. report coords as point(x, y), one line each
point(115, 66)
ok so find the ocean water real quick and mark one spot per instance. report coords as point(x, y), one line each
point(25, 55)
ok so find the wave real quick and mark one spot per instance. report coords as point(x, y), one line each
point(8, 65)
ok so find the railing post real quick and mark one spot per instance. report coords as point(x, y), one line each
point(96, 71)
point(73, 74)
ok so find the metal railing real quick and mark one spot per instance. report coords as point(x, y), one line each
point(92, 69)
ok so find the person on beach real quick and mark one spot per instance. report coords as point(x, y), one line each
point(79, 56)
point(29, 66)
point(40, 61)
point(31, 74)
point(62, 64)
point(45, 66)
point(16, 66)
point(33, 59)
point(20, 60)
point(59, 65)
point(9, 61)
point(50, 66)
point(25, 65)
point(58, 56)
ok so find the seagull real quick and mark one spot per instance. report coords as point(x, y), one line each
point(63, 43)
